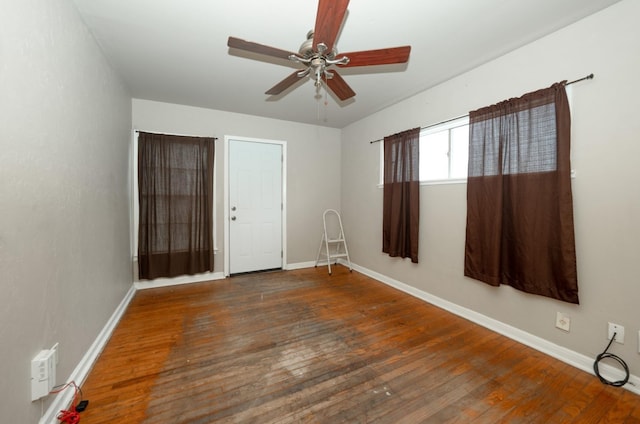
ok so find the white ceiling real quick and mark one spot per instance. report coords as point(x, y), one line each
point(176, 51)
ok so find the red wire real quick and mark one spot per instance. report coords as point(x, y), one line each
point(69, 416)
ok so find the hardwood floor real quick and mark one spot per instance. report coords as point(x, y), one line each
point(305, 347)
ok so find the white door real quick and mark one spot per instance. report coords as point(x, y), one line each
point(255, 206)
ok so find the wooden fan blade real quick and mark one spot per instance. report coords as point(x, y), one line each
point(328, 21)
point(377, 57)
point(284, 84)
point(249, 46)
point(339, 86)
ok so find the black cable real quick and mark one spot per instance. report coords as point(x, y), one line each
point(605, 355)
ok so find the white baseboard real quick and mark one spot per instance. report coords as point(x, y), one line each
point(563, 354)
point(300, 265)
point(80, 373)
point(187, 279)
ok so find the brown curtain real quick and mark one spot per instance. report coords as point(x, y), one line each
point(401, 198)
point(519, 202)
point(175, 186)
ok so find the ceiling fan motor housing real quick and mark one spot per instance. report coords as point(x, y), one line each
point(306, 49)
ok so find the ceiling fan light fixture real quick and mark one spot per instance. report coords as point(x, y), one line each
point(317, 61)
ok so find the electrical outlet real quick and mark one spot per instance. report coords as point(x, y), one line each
point(43, 374)
point(563, 321)
point(618, 330)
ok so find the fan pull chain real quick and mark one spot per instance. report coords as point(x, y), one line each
point(318, 97)
point(326, 103)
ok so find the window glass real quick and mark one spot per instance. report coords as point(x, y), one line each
point(444, 152)
point(434, 156)
point(459, 152)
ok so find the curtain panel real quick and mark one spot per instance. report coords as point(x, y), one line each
point(519, 203)
point(401, 195)
point(175, 188)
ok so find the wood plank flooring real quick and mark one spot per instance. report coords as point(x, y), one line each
point(305, 347)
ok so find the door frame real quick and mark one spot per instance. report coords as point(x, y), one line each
point(227, 220)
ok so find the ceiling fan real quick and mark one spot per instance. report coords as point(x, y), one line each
point(318, 53)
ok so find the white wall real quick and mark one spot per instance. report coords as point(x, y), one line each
point(313, 164)
point(605, 151)
point(64, 223)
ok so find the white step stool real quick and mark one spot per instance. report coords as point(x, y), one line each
point(334, 247)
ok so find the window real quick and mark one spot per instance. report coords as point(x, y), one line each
point(444, 152)
point(135, 206)
point(175, 194)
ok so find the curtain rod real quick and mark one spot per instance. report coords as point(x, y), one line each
point(179, 135)
point(590, 76)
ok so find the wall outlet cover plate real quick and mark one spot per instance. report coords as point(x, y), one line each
point(618, 330)
point(563, 321)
